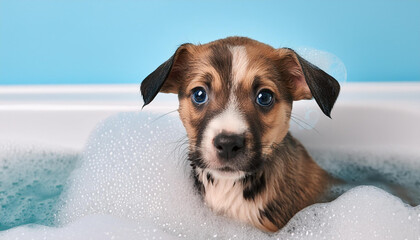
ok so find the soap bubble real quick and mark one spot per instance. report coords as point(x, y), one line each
point(326, 61)
point(331, 64)
point(133, 182)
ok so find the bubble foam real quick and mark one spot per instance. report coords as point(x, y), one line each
point(133, 183)
point(326, 61)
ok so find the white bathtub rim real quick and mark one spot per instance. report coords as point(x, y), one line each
point(26, 112)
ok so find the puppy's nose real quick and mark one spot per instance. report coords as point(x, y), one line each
point(228, 145)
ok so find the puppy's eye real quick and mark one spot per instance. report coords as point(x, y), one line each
point(199, 95)
point(265, 98)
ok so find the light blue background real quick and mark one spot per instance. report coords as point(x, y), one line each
point(100, 41)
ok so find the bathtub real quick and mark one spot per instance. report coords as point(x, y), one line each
point(366, 114)
point(367, 117)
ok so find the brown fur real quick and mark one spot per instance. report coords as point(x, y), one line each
point(278, 177)
point(292, 179)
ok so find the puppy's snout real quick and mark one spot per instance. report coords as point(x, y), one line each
point(229, 145)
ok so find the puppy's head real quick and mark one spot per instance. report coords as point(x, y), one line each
point(235, 99)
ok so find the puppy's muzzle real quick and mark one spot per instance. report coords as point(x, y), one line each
point(228, 146)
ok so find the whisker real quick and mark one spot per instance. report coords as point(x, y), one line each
point(181, 145)
point(298, 123)
point(178, 144)
point(295, 118)
point(163, 115)
point(301, 120)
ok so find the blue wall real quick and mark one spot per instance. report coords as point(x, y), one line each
point(102, 41)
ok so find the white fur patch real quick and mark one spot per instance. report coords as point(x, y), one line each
point(226, 175)
point(231, 121)
point(239, 63)
point(224, 190)
point(225, 196)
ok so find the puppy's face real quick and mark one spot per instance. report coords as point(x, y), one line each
point(234, 107)
point(235, 98)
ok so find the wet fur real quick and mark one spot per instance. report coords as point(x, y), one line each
point(274, 177)
point(288, 182)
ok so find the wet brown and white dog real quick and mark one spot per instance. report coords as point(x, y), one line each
point(235, 101)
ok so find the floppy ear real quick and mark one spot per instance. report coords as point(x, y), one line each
point(166, 78)
point(307, 80)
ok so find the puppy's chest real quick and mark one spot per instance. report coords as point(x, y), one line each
point(225, 196)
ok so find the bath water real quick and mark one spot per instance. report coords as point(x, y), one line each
point(132, 182)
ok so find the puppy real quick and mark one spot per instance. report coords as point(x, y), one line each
point(235, 101)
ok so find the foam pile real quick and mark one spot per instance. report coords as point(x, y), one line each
point(133, 183)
